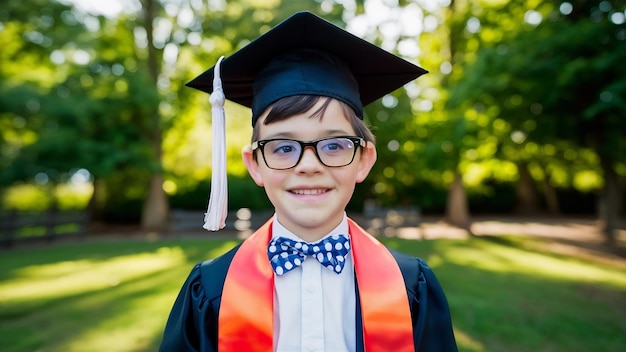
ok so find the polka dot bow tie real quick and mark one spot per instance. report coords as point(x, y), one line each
point(286, 254)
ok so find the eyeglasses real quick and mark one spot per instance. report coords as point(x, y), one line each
point(282, 154)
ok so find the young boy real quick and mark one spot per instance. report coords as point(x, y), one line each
point(310, 279)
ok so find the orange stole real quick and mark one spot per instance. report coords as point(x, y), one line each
point(246, 311)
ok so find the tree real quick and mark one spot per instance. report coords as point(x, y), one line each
point(566, 74)
point(155, 208)
point(70, 102)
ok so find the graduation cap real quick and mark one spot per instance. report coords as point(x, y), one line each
point(303, 55)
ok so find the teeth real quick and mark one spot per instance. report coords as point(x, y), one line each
point(308, 191)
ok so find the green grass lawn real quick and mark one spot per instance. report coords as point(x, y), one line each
point(506, 294)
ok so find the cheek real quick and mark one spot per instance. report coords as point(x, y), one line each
point(346, 177)
point(274, 185)
point(272, 177)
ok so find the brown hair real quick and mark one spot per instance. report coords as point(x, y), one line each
point(289, 106)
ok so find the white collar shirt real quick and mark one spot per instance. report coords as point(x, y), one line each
point(314, 307)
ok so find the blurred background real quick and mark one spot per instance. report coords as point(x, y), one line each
point(522, 116)
point(523, 111)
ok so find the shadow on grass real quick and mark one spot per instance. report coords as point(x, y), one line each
point(39, 326)
point(504, 296)
point(13, 261)
point(516, 312)
point(565, 248)
point(579, 235)
point(134, 308)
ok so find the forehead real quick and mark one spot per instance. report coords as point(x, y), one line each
point(333, 121)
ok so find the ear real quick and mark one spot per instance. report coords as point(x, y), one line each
point(247, 155)
point(366, 161)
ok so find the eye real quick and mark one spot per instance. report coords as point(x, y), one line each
point(283, 147)
point(335, 145)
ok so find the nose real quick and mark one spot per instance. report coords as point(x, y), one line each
point(309, 161)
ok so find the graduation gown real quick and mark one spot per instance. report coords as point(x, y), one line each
point(193, 321)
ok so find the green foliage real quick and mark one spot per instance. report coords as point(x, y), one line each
point(25, 197)
point(552, 93)
point(77, 91)
point(242, 193)
point(581, 63)
point(90, 116)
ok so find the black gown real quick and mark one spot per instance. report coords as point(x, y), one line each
point(192, 324)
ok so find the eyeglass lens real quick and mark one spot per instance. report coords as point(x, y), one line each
point(285, 153)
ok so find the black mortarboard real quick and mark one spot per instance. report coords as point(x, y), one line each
point(377, 72)
point(303, 55)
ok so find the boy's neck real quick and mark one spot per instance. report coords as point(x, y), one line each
point(310, 238)
point(311, 235)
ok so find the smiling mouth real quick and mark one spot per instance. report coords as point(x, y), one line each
point(308, 191)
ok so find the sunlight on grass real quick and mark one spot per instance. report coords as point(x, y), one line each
point(116, 296)
point(113, 296)
point(139, 325)
point(503, 259)
point(514, 294)
point(217, 251)
point(465, 340)
point(132, 327)
point(73, 277)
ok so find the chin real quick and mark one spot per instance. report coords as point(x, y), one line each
point(310, 218)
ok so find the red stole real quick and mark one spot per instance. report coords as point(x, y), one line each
point(246, 311)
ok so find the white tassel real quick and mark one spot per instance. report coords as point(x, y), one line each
point(215, 217)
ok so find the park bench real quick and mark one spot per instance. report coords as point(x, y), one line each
point(385, 221)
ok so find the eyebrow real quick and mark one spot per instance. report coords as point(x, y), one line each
point(291, 135)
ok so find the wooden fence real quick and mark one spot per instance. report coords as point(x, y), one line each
point(377, 220)
point(17, 227)
point(237, 220)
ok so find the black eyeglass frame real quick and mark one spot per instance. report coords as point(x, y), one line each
point(260, 144)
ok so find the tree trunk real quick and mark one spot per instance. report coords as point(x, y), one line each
point(552, 200)
point(97, 200)
point(156, 208)
point(610, 202)
point(527, 203)
point(457, 210)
